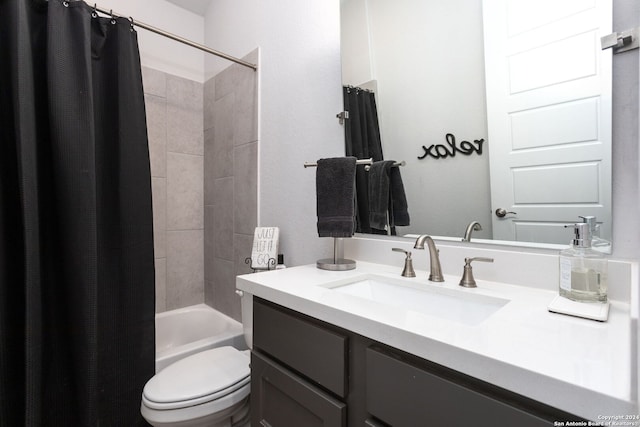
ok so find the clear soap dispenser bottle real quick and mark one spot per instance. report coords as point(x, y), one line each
point(583, 270)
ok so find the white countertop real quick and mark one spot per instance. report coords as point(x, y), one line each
point(581, 366)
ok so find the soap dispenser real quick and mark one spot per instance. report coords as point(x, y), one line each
point(583, 270)
point(597, 243)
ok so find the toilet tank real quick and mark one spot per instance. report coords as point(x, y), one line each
point(246, 306)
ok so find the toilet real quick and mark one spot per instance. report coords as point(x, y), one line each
point(206, 389)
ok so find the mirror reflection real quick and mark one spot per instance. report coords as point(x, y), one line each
point(501, 114)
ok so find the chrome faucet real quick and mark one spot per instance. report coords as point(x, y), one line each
point(473, 226)
point(434, 260)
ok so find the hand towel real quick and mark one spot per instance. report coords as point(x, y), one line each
point(379, 194)
point(335, 181)
point(399, 208)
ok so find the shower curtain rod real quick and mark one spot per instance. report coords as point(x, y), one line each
point(177, 38)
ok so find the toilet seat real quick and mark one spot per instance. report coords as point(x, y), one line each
point(202, 378)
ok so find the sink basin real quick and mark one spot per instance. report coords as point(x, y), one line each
point(462, 306)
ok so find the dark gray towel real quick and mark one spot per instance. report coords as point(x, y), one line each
point(379, 193)
point(335, 181)
point(399, 208)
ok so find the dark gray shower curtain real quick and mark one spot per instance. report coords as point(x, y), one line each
point(362, 140)
point(76, 240)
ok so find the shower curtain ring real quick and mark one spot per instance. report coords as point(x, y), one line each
point(113, 18)
point(94, 14)
point(132, 24)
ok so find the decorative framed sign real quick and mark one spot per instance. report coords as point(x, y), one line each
point(265, 248)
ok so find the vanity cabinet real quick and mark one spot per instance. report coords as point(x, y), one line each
point(298, 371)
point(437, 400)
point(306, 372)
point(281, 398)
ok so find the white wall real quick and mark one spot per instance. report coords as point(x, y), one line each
point(231, 27)
point(355, 42)
point(300, 95)
point(159, 52)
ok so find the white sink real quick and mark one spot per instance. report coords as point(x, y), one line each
point(462, 306)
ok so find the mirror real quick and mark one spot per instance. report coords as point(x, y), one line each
point(425, 60)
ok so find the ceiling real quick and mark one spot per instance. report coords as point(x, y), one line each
point(196, 6)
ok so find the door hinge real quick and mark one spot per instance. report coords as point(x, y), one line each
point(622, 41)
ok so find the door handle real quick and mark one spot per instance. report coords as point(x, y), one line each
point(501, 213)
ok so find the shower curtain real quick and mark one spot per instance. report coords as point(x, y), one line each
point(76, 240)
point(362, 140)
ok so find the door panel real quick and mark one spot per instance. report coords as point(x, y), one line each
point(549, 115)
point(280, 398)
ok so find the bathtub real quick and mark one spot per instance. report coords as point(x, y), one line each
point(186, 331)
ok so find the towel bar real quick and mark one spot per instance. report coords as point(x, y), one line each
point(358, 162)
point(395, 165)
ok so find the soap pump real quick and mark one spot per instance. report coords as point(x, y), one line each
point(583, 270)
point(597, 243)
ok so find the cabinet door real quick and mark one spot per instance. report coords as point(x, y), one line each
point(311, 350)
point(403, 395)
point(281, 399)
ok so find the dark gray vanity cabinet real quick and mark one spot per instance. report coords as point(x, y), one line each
point(400, 393)
point(305, 372)
point(298, 371)
point(279, 398)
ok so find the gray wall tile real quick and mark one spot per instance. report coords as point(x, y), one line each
point(252, 56)
point(223, 218)
point(161, 284)
point(209, 289)
point(230, 168)
point(156, 109)
point(185, 268)
point(223, 136)
point(209, 168)
point(209, 241)
point(178, 195)
point(245, 117)
point(242, 246)
point(245, 203)
point(185, 201)
point(154, 82)
point(207, 103)
point(159, 193)
point(224, 296)
point(225, 82)
point(184, 116)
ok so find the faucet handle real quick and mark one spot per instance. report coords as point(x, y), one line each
point(467, 275)
point(408, 270)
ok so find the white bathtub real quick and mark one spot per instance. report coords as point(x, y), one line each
point(186, 331)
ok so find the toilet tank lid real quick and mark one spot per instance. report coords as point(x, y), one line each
point(197, 376)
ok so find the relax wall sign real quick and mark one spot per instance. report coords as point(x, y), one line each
point(442, 151)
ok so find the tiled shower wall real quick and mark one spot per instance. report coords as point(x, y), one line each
point(176, 147)
point(230, 181)
point(203, 142)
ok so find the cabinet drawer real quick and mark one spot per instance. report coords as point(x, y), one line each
point(315, 352)
point(282, 399)
point(401, 394)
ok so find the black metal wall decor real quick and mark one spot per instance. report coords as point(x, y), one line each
point(442, 151)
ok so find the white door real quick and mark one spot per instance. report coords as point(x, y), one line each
point(549, 115)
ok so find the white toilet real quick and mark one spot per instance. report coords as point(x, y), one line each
point(207, 389)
